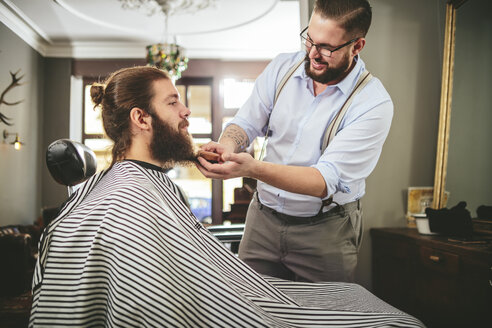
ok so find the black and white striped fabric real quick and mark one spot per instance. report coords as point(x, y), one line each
point(126, 252)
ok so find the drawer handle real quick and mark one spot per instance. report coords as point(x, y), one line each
point(435, 258)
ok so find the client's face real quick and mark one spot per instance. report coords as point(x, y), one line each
point(170, 145)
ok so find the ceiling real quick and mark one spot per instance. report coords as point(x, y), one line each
point(229, 29)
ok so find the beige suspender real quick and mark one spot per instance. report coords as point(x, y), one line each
point(284, 80)
point(335, 123)
point(332, 129)
point(277, 93)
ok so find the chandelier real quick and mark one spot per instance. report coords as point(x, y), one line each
point(169, 57)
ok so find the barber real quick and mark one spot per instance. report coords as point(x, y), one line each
point(325, 119)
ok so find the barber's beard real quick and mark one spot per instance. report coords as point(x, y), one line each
point(330, 73)
point(170, 146)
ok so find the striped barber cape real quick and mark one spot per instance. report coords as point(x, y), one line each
point(125, 251)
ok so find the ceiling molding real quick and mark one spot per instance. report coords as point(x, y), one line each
point(88, 50)
point(114, 50)
point(23, 27)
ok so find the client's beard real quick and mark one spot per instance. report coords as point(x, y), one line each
point(169, 146)
point(330, 73)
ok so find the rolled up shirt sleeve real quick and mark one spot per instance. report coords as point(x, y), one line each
point(354, 152)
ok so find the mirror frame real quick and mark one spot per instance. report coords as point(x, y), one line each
point(439, 200)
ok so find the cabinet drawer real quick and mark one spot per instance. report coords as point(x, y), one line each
point(440, 261)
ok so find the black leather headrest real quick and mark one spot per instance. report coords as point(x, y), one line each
point(70, 162)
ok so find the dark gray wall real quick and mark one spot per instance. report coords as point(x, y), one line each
point(404, 50)
point(20, 182)
point(55, 122)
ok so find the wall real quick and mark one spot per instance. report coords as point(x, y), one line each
point(20, 182)
point(55, 123)
point(404, 50)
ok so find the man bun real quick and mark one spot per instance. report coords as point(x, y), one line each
point(97, 93)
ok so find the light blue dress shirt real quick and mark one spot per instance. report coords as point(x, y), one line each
point(298, 123)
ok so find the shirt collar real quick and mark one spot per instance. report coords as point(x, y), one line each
point(347, 84)
point(147, 165)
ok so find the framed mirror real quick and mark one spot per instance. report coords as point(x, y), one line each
point(464, 148)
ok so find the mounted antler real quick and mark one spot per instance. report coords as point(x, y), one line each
point(13, 84)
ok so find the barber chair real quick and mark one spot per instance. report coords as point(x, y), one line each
point(71, 163)
point(230, 235)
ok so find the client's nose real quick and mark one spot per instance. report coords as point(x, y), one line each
point(186, 112)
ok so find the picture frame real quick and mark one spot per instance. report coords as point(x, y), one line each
point(418, 199)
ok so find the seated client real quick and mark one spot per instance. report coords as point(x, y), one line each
point(125, 251)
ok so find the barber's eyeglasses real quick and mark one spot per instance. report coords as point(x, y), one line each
point(322, 50)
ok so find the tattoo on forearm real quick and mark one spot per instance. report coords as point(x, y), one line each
point(238, 135)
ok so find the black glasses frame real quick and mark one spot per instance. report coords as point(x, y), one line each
point(320, 48)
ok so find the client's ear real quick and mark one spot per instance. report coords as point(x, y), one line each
point(140, 119)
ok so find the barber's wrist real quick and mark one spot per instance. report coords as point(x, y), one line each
point(256, 169)
point(229, 146)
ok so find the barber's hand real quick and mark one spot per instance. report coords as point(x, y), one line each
point(236, 165)
point(216, 147)
point(212, 152)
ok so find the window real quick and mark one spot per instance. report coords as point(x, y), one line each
point(236, 92)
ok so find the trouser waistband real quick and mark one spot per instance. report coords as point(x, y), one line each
point(290, 219)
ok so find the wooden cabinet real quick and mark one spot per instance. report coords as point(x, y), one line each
point(444, 283)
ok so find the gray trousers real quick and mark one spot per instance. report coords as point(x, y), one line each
point(319, 248)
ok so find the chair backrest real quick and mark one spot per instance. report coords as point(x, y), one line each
point(70, 162)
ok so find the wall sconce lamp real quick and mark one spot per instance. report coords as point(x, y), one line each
point(17, 143)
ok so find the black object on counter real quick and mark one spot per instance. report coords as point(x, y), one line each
point(455, 221)
point(484, 212)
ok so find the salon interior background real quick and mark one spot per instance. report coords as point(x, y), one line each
point(404, 50)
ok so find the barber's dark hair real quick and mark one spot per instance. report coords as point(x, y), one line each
point(354, 16)
point(123, 90)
